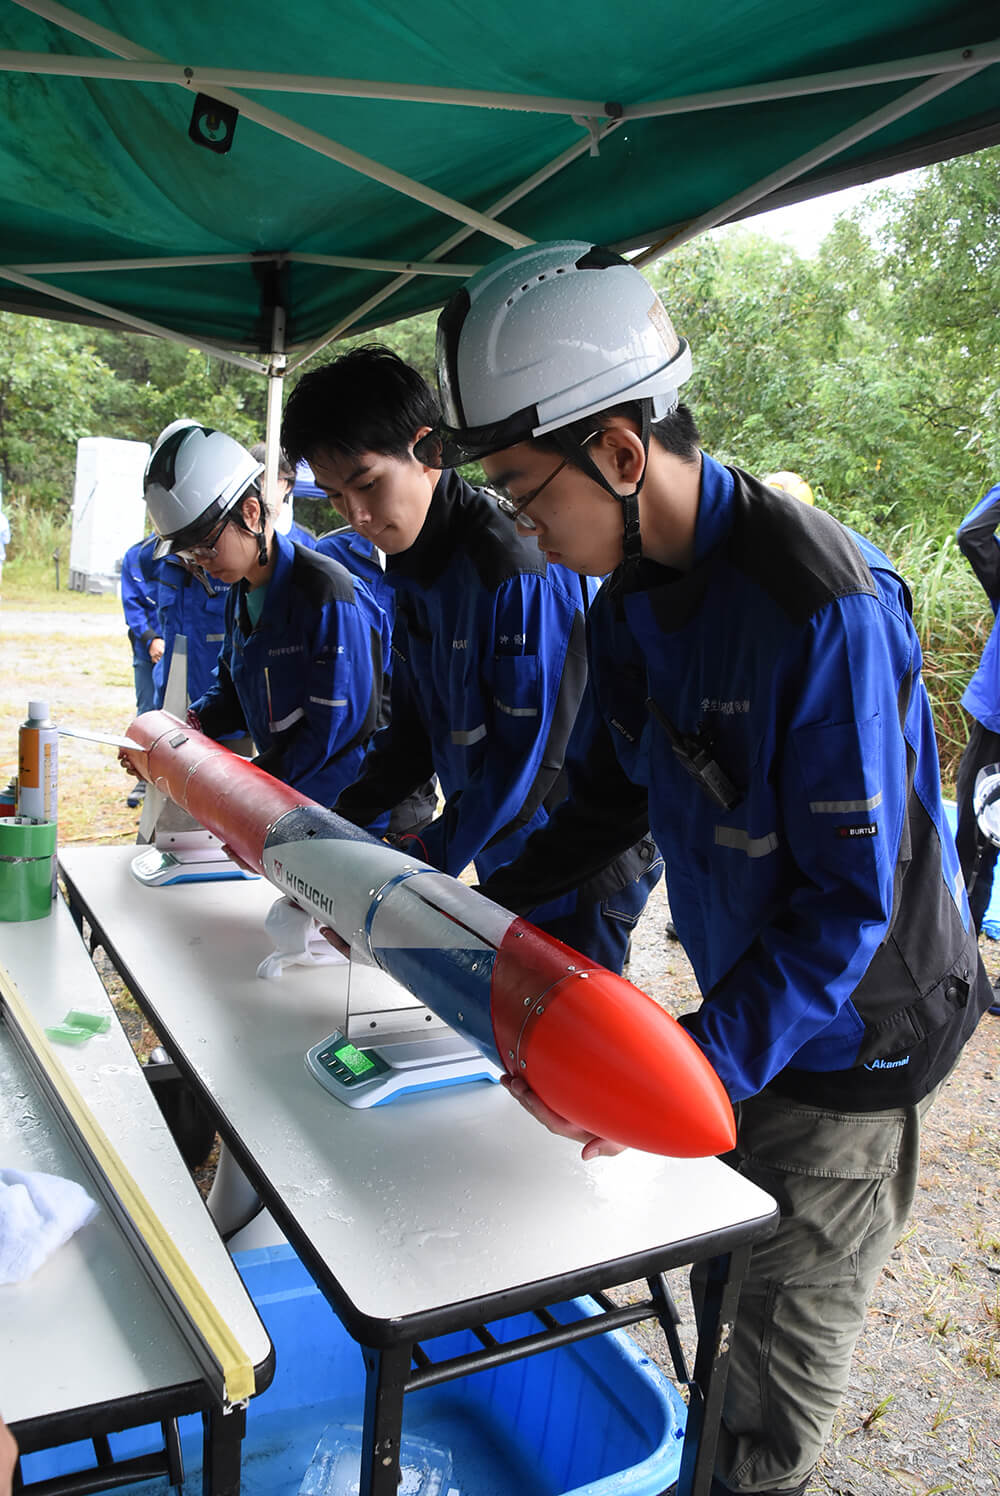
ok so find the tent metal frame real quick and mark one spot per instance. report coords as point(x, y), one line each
point(134, 64)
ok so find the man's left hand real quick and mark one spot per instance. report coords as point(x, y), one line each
point(593, 1147)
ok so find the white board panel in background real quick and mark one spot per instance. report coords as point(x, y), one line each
point(108, 509)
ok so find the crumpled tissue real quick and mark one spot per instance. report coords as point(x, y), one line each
point(38, 1214)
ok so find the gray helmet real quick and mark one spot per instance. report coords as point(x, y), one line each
point(545, 336)
point(542, 338)
point(194, 477)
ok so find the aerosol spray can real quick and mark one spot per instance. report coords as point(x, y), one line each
point(38, 768)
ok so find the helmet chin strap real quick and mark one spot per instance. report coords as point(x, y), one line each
point(632, 539)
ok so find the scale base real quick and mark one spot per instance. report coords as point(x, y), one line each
point(375, 1076)
point(157, 867)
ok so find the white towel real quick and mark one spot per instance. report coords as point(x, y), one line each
point(38, 1214)
point(297, 941)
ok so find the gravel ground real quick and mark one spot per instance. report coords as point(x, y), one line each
point(922, 1414)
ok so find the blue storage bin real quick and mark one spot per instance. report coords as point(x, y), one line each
point(596, 1418)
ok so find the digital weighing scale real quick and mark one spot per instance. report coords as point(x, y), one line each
point(373, 1076)
point(391, 1045)
point(189, 856)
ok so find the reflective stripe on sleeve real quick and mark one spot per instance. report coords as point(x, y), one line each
point(472, 735)
point(287, 721)
point(843, 807)
point(515, 711)
point(741, 841)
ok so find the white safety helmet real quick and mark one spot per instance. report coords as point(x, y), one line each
point(539, 340)
point(546, 336)
point(986, 802)
point(179, 425)
point(194, 477)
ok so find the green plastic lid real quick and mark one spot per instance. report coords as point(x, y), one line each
point(19, 838)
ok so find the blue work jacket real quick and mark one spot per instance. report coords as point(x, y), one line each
point(307, 681)
point(488, 672)
point(189, 603)
point(139, 600)
point(360, 557)
point(823, 909)
point(977, 539)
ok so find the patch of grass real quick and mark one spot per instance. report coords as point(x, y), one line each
point(873, 1419)
point(984, 1357)
point(942, 1414)
point(95, 692)
point(987, 1241)
point(31, 585)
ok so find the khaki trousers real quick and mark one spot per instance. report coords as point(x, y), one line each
point(844, 1183)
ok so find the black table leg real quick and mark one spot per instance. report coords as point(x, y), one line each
point(719, 1291)
point(386, 1373)
point(221, 1447)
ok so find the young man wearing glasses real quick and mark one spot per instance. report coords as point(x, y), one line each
point(489, 659)
point(305, 650)
point(758, 680)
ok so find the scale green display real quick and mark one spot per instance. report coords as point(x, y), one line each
point(375, 1075)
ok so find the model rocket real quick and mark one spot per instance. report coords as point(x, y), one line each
point(591, 1045)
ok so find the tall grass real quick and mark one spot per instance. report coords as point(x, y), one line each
point(35, 535)
point(953, 620)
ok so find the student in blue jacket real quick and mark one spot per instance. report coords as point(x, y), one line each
point(488, 646)
point(188, 603)
point(281, 507)
point(757, 676)
point(305, 652)
point(139, 607)
point(977, 539)
point(366, 561)
point(142, 623)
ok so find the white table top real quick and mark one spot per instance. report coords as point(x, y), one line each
point(87, 1328)
point(429, 1201)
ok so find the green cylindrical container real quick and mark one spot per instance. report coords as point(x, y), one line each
point(26, 852)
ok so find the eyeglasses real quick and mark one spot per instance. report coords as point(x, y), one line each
point(515, 508)
point(207, 549)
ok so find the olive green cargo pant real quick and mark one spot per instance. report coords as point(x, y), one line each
point(844, 1183)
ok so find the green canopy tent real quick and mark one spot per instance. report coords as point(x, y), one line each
point(378, 153)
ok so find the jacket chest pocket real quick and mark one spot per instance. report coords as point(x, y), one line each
point(516, 691)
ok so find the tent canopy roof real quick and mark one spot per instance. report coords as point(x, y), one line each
point(97, 170)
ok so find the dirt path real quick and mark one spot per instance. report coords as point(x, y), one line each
point(78, 625)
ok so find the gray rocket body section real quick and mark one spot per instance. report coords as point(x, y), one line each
point(432, 934)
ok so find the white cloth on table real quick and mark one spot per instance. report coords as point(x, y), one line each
point(38, 1214)
point(297, 941)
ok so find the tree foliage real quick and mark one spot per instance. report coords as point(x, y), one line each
point(868, 369)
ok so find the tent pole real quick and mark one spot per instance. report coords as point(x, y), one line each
point(207, 79)
point(275, 392)
point(870, 125)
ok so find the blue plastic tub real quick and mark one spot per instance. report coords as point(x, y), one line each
point(597, 1418)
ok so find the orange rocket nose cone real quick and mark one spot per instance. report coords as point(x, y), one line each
point(603, 1054)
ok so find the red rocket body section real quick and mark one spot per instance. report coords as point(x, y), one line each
point(216, 787)
point(634, 1073)
point(593, 1048)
